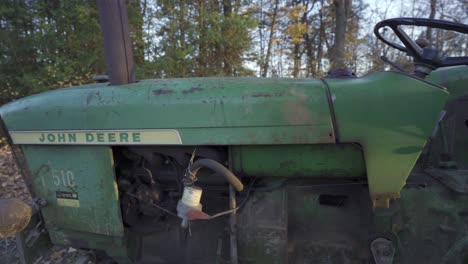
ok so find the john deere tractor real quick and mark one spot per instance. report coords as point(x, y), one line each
point(341, 169)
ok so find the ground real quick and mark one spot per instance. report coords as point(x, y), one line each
point(13, 186)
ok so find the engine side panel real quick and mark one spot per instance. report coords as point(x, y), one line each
point(79, 186)
point(318, 161)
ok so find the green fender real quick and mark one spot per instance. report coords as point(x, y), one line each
point(390, 115)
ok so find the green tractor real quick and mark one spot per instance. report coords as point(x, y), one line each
point(250, 170)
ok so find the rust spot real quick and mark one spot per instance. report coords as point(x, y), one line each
point(262, 95)
point(384, 195)
point(192, 90)
point(296, 113)
point(382, 200)
point(162, 91)
point(15, 216)
point(88, 98)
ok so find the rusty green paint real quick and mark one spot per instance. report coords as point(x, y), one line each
point(208, 111)
point(388, 115)
point(85, 171)
point(318, 161)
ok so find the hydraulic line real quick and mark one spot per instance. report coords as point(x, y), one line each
point(216, 167)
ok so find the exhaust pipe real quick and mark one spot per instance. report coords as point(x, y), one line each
point(113, 18)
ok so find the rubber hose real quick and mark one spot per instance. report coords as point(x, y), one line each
point(218, 168)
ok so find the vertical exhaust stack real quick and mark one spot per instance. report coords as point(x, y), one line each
point(113, 18)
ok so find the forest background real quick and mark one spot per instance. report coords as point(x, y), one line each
point(47, 44)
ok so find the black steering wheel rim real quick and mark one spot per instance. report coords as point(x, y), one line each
point(411, 47)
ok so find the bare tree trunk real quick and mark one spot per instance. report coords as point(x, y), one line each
point(337, 56)
point(297, 60)
point(296, 48)
point(137, 29)
point(202, 46)
point(182, 41)
point(433, 4)
point(227, 9)
point(310, 55)
point(321, 36)
point(270, 39)
point(260, 34)
point(218, 50)
point(308, 45)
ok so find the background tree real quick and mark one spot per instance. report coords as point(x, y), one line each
point(342, 13)
point(201, 38)
point(47, 44)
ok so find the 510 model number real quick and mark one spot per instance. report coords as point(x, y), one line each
point(64, 178)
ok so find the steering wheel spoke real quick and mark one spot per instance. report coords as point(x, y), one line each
point(411, 46)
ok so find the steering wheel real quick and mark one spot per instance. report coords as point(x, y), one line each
point(421, 55)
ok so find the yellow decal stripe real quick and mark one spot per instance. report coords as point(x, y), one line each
point(98, 137)
point(68, 202)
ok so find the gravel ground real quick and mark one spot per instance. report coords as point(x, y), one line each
point(13, 186)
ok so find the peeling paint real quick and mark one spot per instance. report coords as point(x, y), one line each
point(296, 113)
point(162, 91)
point(88, 98)
point(192, 90)
point(264, 94)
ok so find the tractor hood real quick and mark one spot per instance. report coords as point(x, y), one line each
point(201, 110)
point(223, 111)
point(387, 115)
